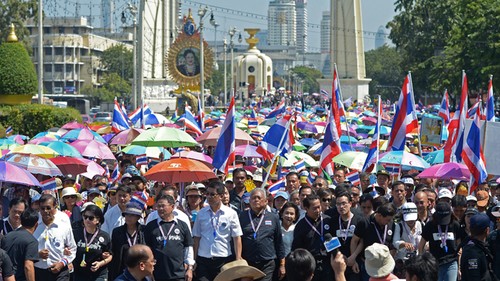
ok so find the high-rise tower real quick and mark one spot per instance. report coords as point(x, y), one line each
point(282, 23)
point(301, 24)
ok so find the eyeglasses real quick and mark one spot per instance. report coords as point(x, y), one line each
point(355, 194)
point(161, 206)
point(211, 194)
point(153, 262)
point(341, 204)
point(46, 208)
point(326, 199)
point(90, 218)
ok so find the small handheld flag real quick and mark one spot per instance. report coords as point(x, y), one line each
point(49, 184)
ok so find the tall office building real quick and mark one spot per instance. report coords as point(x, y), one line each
point(325, 32)
point(380, 37)
point(108, 21)
point(301, 21)
point(281, 24)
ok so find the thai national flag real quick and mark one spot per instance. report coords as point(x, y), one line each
point(137, 116)
point(190, 122)
point(119, 122)
point(311, 178)
point(300, 165)
point(373, 152)
point(224, 151)
point(473, 157)
point(475, 110)
point(124, 110)
point(277, 186)
point(444, 110)
point(393, 169)
point(108, 174)
point(252, 120)
point(405, 119)
point(201, 116)
point(278, 138)
point(353, 177)
point(49, 184)
point(280, 109)
point(141, 159)
point(490, 103)
point(337, 108)
point(9, 130)
point(140, 198)
point(115, 176)
point(455, 143)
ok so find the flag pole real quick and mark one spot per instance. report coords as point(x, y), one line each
point(486, 119)
point(413, 104)
point(379, 117)
point(264, 183)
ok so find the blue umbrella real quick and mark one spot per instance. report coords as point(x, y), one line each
point(149, 151)
point(369, 113)
point(308, 142)
point(348, 139)
point(75, 134)
point(435, 157)
point(62, 148)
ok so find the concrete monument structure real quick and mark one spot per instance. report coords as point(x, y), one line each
point(347, 49)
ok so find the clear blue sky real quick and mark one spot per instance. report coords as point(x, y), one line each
point(374, 12)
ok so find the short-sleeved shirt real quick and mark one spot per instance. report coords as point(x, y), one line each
point(168, 247)
point(264, 244)
point(371, 232)
point(431, 234)
point(20, 245)
point(93, 251)
point(6, 269)
point(216, 231)
point(345, 231)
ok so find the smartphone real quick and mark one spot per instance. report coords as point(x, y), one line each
point(332, 244)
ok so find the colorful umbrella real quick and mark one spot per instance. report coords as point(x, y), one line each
point(193, 155)
point(73, 125)
point(70, 165)
point(82, 134)
point(164, 137)
point(126, 136)
point(152, 152)
point(348, 139)
point(93, 169)
point(295, 156)
point(447, 171)
point(211, 137)
point(384, 130)
point(11, 173)
point(247, 150)
point(351, 159)
point(63, 148)
point(41, 139)
point(405, 159)
point(39, 150)
point(93, 149)
point(308, 142)
point(180, 170)
point(34, 164)
point(155, 119)
point(369, 121)
point(435, 157)
point(306, 126)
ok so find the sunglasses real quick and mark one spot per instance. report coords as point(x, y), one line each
point(90, 218)
point(326, 199)
point(70, 196)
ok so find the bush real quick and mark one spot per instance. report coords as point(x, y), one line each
point(17, 72)
point(30, 119)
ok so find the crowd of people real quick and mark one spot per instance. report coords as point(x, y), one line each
point(387, 229)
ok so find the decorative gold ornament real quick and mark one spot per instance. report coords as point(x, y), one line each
point(12, 35)
point(249, 185)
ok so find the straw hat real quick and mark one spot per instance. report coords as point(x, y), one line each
point(68, 191)
point(238, 269)
point(379, 262)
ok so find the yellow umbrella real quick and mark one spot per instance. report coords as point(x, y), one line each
point(383, 146)
point(35, 149)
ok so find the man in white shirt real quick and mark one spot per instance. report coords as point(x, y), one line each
point(215, 226)
point(54, 236)
point(113, 217)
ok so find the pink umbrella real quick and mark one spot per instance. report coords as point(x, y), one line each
point(447, 171)
point(369, 121)
point(41, 139)
point(13, 174)
point(247, 150)
point(93, 168)
point(93, 149)
point(193, 155)
point(126, 136)
point(73, 125)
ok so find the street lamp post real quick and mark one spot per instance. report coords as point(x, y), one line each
point(133, 11)
point(231, 33)
point(202, 12)
point(215, 25)
point(225, 72)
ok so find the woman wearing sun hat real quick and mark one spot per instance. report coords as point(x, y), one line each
point(70, 197)
point(239, 270)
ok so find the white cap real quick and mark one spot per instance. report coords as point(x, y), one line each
point(471, 198)
point(408, 180)
point(410, 212)
point(444, 193)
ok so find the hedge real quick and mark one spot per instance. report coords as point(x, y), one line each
point(30, 119)
point(17, 72)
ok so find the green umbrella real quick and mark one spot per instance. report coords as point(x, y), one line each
point(299, 147)
point(351, 159)
point(164, 137)
point(295, 156)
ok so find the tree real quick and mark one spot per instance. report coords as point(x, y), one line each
point(120, 60)
point(16, 12)
point(112, 86)
point(308, 75)
point(383, 66)
point(216, 82)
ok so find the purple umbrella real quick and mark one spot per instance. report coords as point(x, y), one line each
point(306, 126)
point(447, 171)
point(13, 174)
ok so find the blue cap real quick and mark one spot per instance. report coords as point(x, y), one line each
point(246, 198)
point(94, 190)
point(282, 194)
point(479, 222)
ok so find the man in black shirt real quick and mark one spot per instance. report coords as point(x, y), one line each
point(343, 226)
point(310, 233)
point(262, 242)
point(171, 242)
point(22, 247)
point(239, 178)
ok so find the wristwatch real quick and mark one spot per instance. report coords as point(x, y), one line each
point(190, 267)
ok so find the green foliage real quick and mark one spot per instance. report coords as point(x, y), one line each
point(113, 86)
point(309, 76)
point(216, 81)
point(120, 60)
point(383, 66)
point(16, 12)
point(17, 72)
point(30, 119)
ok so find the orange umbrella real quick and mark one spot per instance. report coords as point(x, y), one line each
point(211, 137)
point(178, 170)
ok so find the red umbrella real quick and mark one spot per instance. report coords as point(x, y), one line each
point(70, 165)
point(211, 137)
point(179, 170)
point(125, 136)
